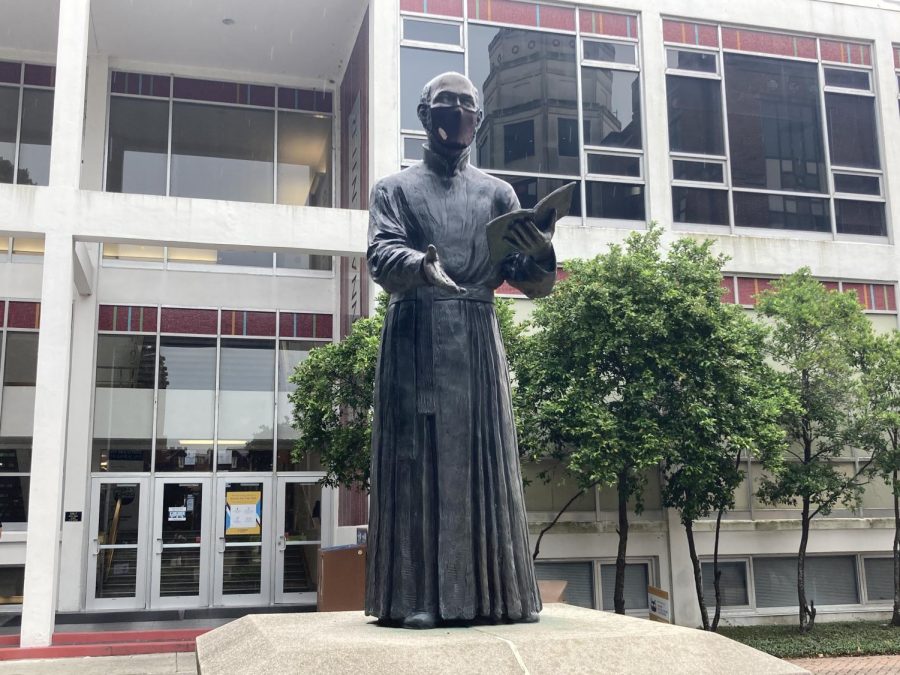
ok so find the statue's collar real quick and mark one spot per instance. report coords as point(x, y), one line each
point(444, 166)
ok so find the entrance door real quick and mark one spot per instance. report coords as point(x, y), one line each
point(118, 531)
point(243, 540)
point(181, 536)
point(299, 518)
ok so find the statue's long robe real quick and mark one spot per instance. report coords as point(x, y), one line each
point(447, 528)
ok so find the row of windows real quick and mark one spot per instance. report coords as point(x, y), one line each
point(591, 583)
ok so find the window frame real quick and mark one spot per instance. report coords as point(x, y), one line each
point(20, 88)
point(651, 562)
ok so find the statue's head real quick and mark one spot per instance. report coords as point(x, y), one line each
point(450, 112)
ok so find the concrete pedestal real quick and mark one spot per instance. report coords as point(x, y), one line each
point(567, 640)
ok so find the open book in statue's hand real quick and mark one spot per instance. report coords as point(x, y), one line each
point(545, 214)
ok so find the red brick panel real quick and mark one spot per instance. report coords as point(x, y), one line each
point(40, 76)
point(10, 72)
point(239, 322)
point(831, 285)
point(24, 314)
point(189, 321)
point(294, 325)
point(353, 507)
point(438, 7)
point(2, 312)
point(504, 11)
point(607, 23)
point(323, 326)
point(750, 287)
point(687, 33)
point(127, 319)
point(769, 43)
point(140, 84)
point(560, 18)
point(846, 52)
point(728, 285)
point(874, 297)
point(897, 57)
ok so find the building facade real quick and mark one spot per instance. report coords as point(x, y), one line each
point(182, 219)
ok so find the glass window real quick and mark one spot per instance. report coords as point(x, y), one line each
point(526, 78)
point(417, 68)
point(413, 148)
point(244, 258)
point(123, 403)
point(567, 135)
point(12, 584)
point(879, 579)
point(859, 217)
point(852, 135)
point(291, 353)
point(732, 584)
point(531, 189)
point(614, 165)
point(246, 405)
point(16, 425)
point(682, 59)
point(620, 201)
point(185, 403)
point(612, 107)
point(431, 31)
point(34, 142)
point(304, 159)
point(695, 205)
point(9, 121)
point(138, 146)
point(637, 578)
point(781, 212)
point(848, 79)
point(830, 580)
point(695, 115)
point(774, 124)
point(706, 172)
point(857, 184)
point(221, 152)
point(302, 261)
point(579, 578)
point(132, 252)
point(611, 52)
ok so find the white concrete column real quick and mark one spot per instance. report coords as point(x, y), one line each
point(384, 88)
point(49, 442)
point(95, 123)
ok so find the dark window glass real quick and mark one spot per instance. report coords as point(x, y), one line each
point(518, 142)
point(732, 583)
point(621, 201)
point(830, 580)
point(14, 498)
point(567, 132)
point(302, 261)
point(879, 579)
point(244, 258)
point(9, 121)
point(694, 205)
point(20, 369)
point(774, 124)
point(861, 185)
point(138, 146)
point(857, 217)
point(123, 403)
point(614, 165)
point(852, 135)
point(34, 141)
point(849, 79)
point(12, 584)
point(531, 189)
point(413, 148)
point(579, 578)
point(707, 172)
point(417, 68)
point(781, 212)
point(304, 159)
point(431, 31)
point(681, 59)
point(612, 107)
point(221, 152)
point(695, 115)
point(525, 77)
point(15, 456)
point(612, 52)
point(637, 578)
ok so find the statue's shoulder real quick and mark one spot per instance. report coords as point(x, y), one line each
point(398, 180)
point(501, 190)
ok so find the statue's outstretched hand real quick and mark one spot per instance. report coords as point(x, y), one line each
point(528, 238)
point(436, 275)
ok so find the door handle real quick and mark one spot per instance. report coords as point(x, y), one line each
point(95, 546)
point(159, 546)
point(221, 546)
point(281, 543)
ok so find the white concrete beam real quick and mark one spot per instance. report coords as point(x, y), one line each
point(85, 270)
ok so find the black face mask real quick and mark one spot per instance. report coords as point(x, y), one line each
point(454, 127)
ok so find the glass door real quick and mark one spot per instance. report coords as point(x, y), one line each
point(118, 545)
point(298, 539)
point(181, 542)
point(243, 540)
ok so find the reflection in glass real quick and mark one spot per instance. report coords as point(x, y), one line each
point(695, 115)
point(34, 141)
point(186, 403)
point(118, 521)
point(304, 159)
point(782, 212)
point(612, 107)
point(531, 189)
point(123, 403)
point(303, 261)
point(612, 52)
point(857, 184)
point(138, 146)
point(116, 573)
point(182, 532)
point(221, 152)
point(774, 124)
point(614, 165)
point(852, 136)
point(693, 205)
point(246, 402)
point(527, 80)
point(290, 353)
point(859, 217)
point(9, 121)
point(302, 534)
point(431, 31)
point(417, 68)
point(706, 172)
point(682, 59)
point(619, 201)
point(848, 79)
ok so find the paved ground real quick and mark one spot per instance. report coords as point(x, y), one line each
point(145, 664)
point(851, 665)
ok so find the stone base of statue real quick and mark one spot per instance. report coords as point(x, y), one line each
point(567, 640)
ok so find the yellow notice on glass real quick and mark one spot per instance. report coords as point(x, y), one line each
point(243, 513)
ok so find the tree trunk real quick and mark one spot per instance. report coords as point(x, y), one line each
point(807, 610)
point(717, 574)
point(895, 619)
point(619, 595)
point(698, 577)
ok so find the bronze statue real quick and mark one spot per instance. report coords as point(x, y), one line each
point(448, 540)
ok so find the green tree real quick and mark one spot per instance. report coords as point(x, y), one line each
point(335, 396)
point(816, 343)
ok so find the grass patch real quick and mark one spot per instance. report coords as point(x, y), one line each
point(845, 638)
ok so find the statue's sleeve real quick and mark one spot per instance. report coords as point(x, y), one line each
point(393, 262)
point(532, 278)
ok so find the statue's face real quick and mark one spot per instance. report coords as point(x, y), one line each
point(453, 116)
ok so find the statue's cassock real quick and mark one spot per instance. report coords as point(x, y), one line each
point(447, 528)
